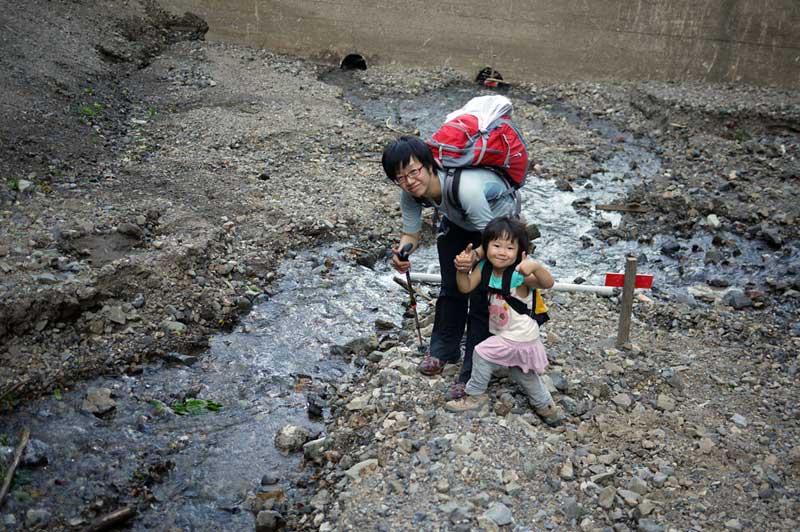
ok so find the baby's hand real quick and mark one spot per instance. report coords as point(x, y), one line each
point(464, 260)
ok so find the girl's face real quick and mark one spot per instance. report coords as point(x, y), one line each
point(502, 252)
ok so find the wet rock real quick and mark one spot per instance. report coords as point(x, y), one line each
point(37, 518)
point(737, 299)
point(130, 229)
point(670, 248)
point(35, 453)
point(269, 521)
point(314, 450)
point(98, 401)
point(291, 438)
point(269, 479)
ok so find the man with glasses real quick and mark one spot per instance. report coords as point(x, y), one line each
point(482, 195)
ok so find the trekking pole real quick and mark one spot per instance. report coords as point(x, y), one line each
point(403, 255)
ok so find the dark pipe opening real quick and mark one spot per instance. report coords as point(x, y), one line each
point(353, 62)
point(489, 77)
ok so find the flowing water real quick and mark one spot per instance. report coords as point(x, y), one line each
point(199, 468)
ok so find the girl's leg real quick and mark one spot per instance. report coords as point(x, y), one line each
point(482, 371)
point(538, 394)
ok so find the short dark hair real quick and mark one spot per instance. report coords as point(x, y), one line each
point(506, 227)
point(398, 153)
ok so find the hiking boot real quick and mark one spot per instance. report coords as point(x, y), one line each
point(456, 391)
point(431, 366)
point(468, 402)
point(550, 414)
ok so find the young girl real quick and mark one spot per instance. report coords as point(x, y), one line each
point(515, 342)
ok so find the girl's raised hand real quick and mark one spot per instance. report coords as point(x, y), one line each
point(525, 266)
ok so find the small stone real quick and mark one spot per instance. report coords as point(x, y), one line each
point(705, 445)
point(645, 508)
point(733, 524)
point(291, 438)
point(37, 517)
point(268, 521)
point(631, 498)
point(739, 420)
point(362, 469)
point(623, 400)
point(606, 498)
point(648, 525)
point(713, 221)
point(665, 403)
point(499, 514)
point(567, 471)
point(98, 401)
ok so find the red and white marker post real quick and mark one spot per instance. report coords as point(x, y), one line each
point(628, 281)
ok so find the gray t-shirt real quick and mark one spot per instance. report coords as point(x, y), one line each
point(484, 195)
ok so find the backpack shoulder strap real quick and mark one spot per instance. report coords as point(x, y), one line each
point(452, 180)
point(518, 306)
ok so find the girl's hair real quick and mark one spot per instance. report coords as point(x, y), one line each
point(509, 228)
point(399, 152)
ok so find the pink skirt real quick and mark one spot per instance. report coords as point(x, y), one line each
point(525, 355)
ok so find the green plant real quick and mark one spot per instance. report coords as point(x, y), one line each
point(151, 111)
point(4, 440)
point(195, 407)
point(57, 394)
point(88, 91)
point(13, 184)
point(741, 135)
point(91, 110)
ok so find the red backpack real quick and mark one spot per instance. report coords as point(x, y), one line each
point(482, 134)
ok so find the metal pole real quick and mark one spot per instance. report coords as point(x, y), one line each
point(623, 334)
point(607, 291)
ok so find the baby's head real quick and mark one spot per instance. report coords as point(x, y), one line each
point(507, 229)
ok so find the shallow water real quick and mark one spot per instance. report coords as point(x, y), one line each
point(211, 461)
point(563, 227)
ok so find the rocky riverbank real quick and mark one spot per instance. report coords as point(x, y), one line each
point(152, 182)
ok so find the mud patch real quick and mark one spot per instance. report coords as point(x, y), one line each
point(102, 249)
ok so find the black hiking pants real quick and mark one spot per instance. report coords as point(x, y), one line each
point(454, 310)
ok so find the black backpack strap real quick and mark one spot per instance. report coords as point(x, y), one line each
point(452, 180)
point(519, 306)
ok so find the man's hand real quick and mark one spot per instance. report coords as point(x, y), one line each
point(400, 260)
point(465, 260)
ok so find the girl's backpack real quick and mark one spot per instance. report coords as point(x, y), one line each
point(482, 134)
point(539, 310)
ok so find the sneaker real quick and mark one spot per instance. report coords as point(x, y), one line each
point(550, 414)
point(456, 391)
point(468, 402)
point(431, 366)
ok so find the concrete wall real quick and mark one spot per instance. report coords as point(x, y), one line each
point(752, 41)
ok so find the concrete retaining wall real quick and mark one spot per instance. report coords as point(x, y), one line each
point(751, 41)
